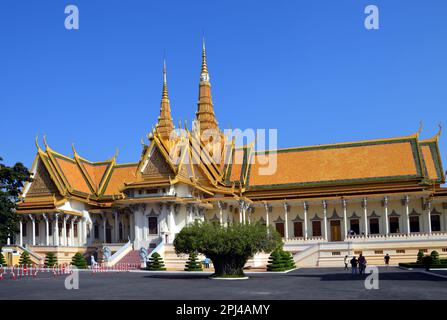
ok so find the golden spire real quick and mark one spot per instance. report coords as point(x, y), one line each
point(205, 111)
point(165, 124)
point(204, 76)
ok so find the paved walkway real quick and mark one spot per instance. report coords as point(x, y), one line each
point(315, 283)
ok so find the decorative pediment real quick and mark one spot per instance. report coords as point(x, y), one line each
point(354, 216)
point(316, 218)
point(42, 183)
point(214, 219)
point(374, 215)
point(335, 215)
point(434, 211)
point(297, 218)
point(157, 164)
point(394, 214)
point(261, 220)
point(414, 213)
point(278, 220)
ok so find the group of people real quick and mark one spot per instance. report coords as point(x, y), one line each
point(358, 265)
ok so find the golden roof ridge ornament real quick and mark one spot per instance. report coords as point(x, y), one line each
point(421, 125)
point(165, 125)
point(204, 75)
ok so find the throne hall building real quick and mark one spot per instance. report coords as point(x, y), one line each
point(327, 201)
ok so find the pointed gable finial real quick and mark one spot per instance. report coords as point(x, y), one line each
point(204, 76)
point(74, 150)
point(439, 131)
point(36, 141)
point(421, 125)
point(45, 141)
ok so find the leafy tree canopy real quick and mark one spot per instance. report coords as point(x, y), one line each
point(230, 247)
point(11, 184)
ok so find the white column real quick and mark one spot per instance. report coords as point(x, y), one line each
point(33, 224)
point(267, 220)
point(8, 240)
point(365, 215)
point(20, 233)
point(47, 230)
point(241, 211)
point(84, 232)
point(56, 229)
point(72, 231)
point(116, 226)
point(104, 221)
point(286, 222)
point(407, 213)
point(64, 230)
point(325, 219)
point(306, 232)
point(385, 209)
point(429, 215)
point(220, 205)
point(345, 216)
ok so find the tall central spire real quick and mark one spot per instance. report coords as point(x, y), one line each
point(205, 111)
point(165, 124)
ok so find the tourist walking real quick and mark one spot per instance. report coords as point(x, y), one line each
point(207, 263)
point(387, 260)
point(346, 262)
point(362, 264)
point(354, 263)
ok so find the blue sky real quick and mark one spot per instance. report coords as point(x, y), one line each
point(307, 68)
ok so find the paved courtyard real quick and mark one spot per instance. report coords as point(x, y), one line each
point(318, 283)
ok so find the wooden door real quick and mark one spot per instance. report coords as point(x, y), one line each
point(335, 230)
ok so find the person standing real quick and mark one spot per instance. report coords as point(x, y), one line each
point(362, 264)
point(354, 263)
point(387, 260)
point(346, 262)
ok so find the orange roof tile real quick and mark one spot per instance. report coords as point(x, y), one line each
point(429, 162)
point(73, 174)
point(96, 171)
point(338, 162)
point(120, 174)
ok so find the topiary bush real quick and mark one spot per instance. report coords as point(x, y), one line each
point(155, 263)
point(193, 264)
point(50, 259)
point(420, 256)
point(287, 260)
point(427, 261)
point(24, 258)
point(276, 262)
point(2, 259)
point(79, 261)
point(435, 256)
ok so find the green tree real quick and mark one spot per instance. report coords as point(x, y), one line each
point(79, 261)
point(50, 259)
point(420, 256)
point(24, 258)
point(155, 263)
point(230, 247)
point(435, 256)
point(193, 264)
point(11, 183)
point(2, 259)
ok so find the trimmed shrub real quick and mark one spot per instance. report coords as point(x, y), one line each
point(50, 259)
point(287, 260)
point(155, 263)
point(24, 258)
point(2, 259)
point(427, 261)
point(277, 262)
point(193, 264)
point(420, 256)
point(79, 261)
point(435, 256)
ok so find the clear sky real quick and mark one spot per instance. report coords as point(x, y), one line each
point(307, 68)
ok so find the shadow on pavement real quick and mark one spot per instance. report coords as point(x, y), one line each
point(413, 276)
